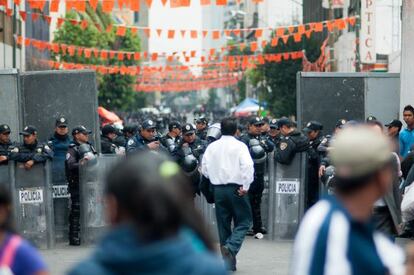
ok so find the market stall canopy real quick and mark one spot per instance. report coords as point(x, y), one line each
point(247, 107)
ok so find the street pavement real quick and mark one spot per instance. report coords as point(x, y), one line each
point(256, 257)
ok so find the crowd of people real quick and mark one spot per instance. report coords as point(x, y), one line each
point(226, 163)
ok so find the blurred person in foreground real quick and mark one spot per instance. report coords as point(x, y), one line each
point(154, 226)
point(17, 256)
point(336, 235)
point(228, 165)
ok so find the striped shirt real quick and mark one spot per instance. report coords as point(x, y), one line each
point(331, 242)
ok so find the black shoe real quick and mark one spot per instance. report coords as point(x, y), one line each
point(229, 258)
point(263, 231)
point(250, 232)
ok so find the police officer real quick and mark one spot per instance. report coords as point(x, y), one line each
point(189, 154)
point(173, 137)
point(313, 130)
point(80, 151)
point(258, 146)
point(59, 143)
point(274, 132)
point(201, 126)
point(145, 139)
point(31, 151)
point(107, 140)
point(128, 132)
point(324, 145)
point(291, 142)
point(5, 144)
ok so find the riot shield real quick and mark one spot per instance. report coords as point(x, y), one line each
point(33, 204)
point(208, 211)
point(287, 197)
point(5, 176)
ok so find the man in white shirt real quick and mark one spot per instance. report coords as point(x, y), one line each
point(229, 167)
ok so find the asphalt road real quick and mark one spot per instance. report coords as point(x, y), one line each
point(256, 257)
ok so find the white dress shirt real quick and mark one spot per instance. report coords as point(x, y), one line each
point(228, 160)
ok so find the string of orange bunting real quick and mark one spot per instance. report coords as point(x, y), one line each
point(212, 54)
point(120, 30)
point(109, 5)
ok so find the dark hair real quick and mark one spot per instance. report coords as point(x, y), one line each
point(228, 126)
point(409, 108)
point(6, 201)
point(152, 190)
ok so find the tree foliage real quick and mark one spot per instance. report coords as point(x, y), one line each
point(116, 91)
point(281, 77)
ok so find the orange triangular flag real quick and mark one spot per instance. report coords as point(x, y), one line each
point(159, 31)
point(109, 28)
point(147, 32)
point(264, 44)
point(253, 46)
point(164, 2)
point(134, 5)
point(193, 34)
point(60, 21)
point(216, 35)
point(134, 30)
point(54, 6)
point(285, 38)
point(308, 34)
point(148, 2)
point(291, 29)
point(120, 56)
point(182, 33)
point(330, 25)
point(108, 5)
point(205, 33)
point(205, 2)
point(318, 27)
point(237, 32)
point(297, 37)
point(47, 18)
point(274, 42)
point(280, 31)
point(171, 34)
point(258, 33)
point(23, 15)
point(84, 24)
point(301, 29)
point(221, 2)
point(35, 16)
point(351, 20)
point(340, 24)
point(121, 31)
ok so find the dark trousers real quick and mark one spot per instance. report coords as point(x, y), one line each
point(383, 220)
point(74, 214)
point(255, 198)
point(232, 207)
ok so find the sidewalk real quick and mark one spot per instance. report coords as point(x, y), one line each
point(256, 257)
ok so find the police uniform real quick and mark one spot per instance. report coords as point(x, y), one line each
point(38, 152)
point(5, 148)
point(107, 144)
point(312, 190)
point(202, 134)
point(325, 144)
point(189, 158)
point(273, 125)
point(75, 154)
point(59, 145)
point(137, 142)
point(169, 142)
point(290, 144)
point(258, 146)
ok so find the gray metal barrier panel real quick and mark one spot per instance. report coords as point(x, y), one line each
point(265, 197)
point(60, 196)
point(287, 197)
point(33, 204)
point(92, 175)
point(208, 211)
point(5, 176)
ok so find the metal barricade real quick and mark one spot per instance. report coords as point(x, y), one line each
point(287, 197)
point(5, 176)
point(91, 181)
point(60, 196)
point(265, 197)
point(208, 211)
point(33, 204)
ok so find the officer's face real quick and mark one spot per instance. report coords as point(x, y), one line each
point(285, 130)
point(255, 129)
point(82, 138)
point(273, 132)
point(200, 126)
point(312, 134)
point(265, 128)
point(189, 137)
point(148, 134)
point(177, 131)
point(392, 131)
point(409, 118)
point(5, 137)
point(29, 139)
point(62, 130)
point(111, 136)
